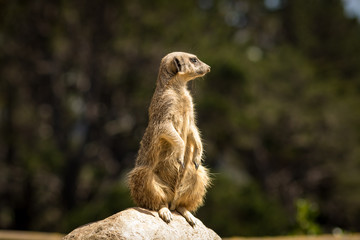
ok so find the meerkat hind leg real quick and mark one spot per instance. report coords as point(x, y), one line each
point(187, 215)
point(165, 214)
point(173, 206)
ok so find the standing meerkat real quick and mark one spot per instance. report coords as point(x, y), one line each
point(168, 173)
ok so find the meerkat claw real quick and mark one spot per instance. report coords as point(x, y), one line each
point(196, 165)
point(181, 163)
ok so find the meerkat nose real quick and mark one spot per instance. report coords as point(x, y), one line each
point(208, 70)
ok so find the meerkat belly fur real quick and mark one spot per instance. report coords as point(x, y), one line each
point(168, 173)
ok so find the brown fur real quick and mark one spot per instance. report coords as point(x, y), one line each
point(168, 171)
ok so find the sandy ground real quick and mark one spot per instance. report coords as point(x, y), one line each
point(24, 235)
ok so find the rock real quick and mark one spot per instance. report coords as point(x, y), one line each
point(139, 223)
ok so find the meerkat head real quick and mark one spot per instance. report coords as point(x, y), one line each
point(185, 66)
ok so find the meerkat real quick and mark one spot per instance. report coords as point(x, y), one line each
point(168, 174)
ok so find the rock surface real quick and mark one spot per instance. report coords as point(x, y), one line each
point(139, 223)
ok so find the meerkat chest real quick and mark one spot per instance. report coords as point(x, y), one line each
point(183, 115)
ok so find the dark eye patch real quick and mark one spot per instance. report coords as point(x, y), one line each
point(193, 60)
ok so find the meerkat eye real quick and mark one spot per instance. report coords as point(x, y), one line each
point(193, 60)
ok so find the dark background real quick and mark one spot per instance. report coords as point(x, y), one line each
point(279, 112)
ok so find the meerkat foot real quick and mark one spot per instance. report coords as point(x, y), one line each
point(165, 214)
point(187, 215)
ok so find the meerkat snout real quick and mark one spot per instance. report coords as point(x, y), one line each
point(208, 69)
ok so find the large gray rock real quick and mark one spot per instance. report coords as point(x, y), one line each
point(139, 223)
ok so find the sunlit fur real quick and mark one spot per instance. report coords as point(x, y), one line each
point(168, 171)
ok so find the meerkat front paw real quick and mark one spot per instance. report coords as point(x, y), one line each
point(181, 163)
point(165, 214)
point(180, 160)
point(196, 159)
point(197, 162)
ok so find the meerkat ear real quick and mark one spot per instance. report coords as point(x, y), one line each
point(179, 64)
point(173, 67)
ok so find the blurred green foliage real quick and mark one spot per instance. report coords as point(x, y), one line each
point(306, 215)
point(242, 209)
point(278, 113)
